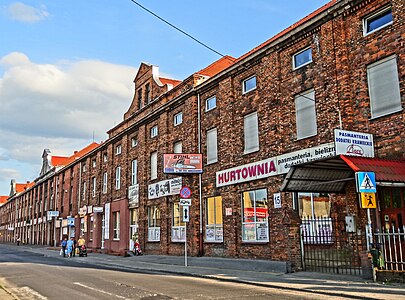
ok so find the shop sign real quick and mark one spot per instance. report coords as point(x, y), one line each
point(165, 188)
point(133, 195)
point(70, 221)
point(107, 221)
point(228, 211)
point(182, 163)
point(249, 212)
point(83, 211)
point(52, 213)
point(273, 166)
point(354, 143)
point(97, 209)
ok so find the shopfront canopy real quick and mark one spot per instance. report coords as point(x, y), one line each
point(331, 175)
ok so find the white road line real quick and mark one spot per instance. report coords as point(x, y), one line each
point(98, 290)
point(28, 293)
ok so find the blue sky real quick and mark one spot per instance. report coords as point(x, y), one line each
point(66, 67)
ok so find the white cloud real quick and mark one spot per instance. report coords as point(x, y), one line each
point(27, 14)
point(7, 174)
point(58, 106)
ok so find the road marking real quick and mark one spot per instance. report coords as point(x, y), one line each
point(98, 290)
point(26, 292)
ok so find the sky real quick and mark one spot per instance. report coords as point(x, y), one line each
point(67, 67)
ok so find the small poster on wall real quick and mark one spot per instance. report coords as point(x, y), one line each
point(277, 200)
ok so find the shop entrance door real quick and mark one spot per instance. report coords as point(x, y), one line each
point(133, 227)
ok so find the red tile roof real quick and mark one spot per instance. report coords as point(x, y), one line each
point(217, 66)
point(21, 187)
point(58, 161)
point(290, 28)
point(385, 170)
point(80, 153)
point(173, 82)
point(3, 199)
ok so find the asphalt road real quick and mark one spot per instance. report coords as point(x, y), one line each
point(32, 276)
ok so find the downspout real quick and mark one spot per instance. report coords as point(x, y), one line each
point(201, 246)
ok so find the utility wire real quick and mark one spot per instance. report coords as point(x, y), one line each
point(178, 29)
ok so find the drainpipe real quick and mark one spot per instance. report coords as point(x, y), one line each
point(201, 249)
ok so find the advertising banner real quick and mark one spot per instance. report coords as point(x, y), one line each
point(133, 195)
point(182, 163)
point(165, 188)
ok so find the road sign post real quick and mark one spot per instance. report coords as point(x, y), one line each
point(185, 204)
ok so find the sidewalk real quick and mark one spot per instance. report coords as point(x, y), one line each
point(255, 272)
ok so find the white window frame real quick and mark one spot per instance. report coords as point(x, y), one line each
point(385, 98)
point(375, 16)
point(105, 177)
point(118, 150)
point(210, 103)
point(153, 224)
point(154, 131)
point(295, 66)
point(258, 226)
point(178, 118)
point(105, 157)
point(304, 105)
point(118, 178)
point(153, 165)
point(116, 225)
point(212, 146)
point(134, 172)
point(93, 190)
point(214, 232)
point(178, 226)
point(84, 191)
point(134, 142)
point(94, 163)
point(244, 84)
point(251, 133)
point(178, 147)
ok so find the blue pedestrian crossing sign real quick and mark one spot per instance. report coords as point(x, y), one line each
point(365, 182)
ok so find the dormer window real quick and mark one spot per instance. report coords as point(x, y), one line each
point(147, 93)
point(140, 98)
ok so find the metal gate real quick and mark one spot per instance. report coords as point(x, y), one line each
point(327, 246)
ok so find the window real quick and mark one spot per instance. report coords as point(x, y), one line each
point(117, 178)
point(153, 165)
point(147, 93)
point(134, 142)
point(91, 228)
point(134, 171)
point(116, 225)
point(105, 157)
point(93, 190)
point(139, 98)
point(153, 224)
point(377, 21)
point(251, 133)
point(84, 168)
point(178, 147)
point(94, 163)
point(105, 182)
point(154, 131)
point(84, 191)
point(118, 150)
point(82, 228)
point(178, 119)
point(212, 147)
point(255, 227)
point(302, 58)
point(178, 226)
point(314, 210)
point(210, 103)
point(305, 114)
point(213, 227)
point(383, 87)
point(249, 84)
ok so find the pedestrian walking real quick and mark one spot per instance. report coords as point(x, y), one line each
point(64, 245)
point(74, 247)
point(70, 247)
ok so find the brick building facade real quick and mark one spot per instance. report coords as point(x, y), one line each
point(252, 118)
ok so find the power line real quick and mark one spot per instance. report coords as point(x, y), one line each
point(178, 29)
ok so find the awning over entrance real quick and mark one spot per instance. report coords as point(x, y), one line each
point(330, 175)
